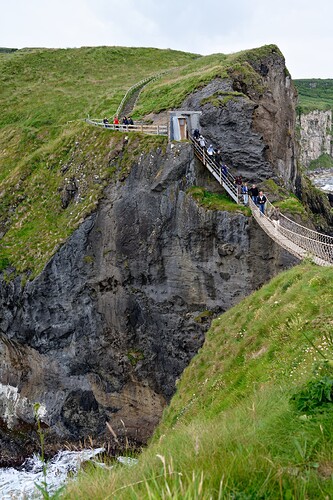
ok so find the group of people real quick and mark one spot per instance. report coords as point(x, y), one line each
point(124, 123)
point(257, 196)
point(214, 154)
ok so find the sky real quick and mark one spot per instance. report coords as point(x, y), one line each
point(302, 29)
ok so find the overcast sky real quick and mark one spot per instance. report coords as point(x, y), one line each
point(302, 29)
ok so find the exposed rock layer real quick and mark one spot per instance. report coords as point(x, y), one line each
point(316, 135)
point(108, 326)
point(253, 125)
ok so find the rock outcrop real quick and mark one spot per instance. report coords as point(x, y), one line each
point(315, 135)
point(251, 118)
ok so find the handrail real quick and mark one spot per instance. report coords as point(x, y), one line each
point(226, 181)
point(295, 238)
point(146, 129)
point(289, 235)
point(129, 92)
point(137, 85)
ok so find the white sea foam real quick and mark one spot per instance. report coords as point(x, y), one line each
point(12, 404)
point(21, 484)
point(328, 187)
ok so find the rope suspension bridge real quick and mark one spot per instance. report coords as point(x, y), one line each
point(298, 240)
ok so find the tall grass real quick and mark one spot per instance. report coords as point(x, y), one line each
point(231, 430)
point(44, 143)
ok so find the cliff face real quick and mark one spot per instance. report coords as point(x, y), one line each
point(316, 135)
point(251, 118)
point(103, 333)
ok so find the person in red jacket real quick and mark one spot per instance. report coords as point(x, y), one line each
point(116, 122)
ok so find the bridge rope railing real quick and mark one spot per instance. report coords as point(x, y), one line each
point(295, 238)
point(304, 241)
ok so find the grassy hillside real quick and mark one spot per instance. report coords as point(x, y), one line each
point(253, 413)
point(44, 144)
point(314, 94)
point(170, 90)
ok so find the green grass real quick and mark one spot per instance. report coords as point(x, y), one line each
point(325, 161)
point(221, 98)
point(314, 94)
point(36, 223)
point(292, 206)
point(232, 430)
point(216, 201)
point(170, 90)
point(45, 94)
point(282, 198)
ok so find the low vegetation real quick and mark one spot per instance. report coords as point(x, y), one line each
point(324, 162)
point(216, 201)
point(46, 148)
point(253, 413)
point(172, 88)
point(314, 94)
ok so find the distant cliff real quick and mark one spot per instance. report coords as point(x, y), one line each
point(314, 119)
point(315, 135)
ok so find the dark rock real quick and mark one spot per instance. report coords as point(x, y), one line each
point(256, 132)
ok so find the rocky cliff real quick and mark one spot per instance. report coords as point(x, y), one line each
point(251, 117)
point(103, 333)
point(315, 135)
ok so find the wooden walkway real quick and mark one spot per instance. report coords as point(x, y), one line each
point(275, 231)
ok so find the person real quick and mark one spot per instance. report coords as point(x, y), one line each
point(218, 157)
point(224, 169)
point(130, 121)
point(196, 134)
point(245, 193)
point(261, 200)
point(238, 182)
point(116, 122)
point(125, 121)
point(275, 217)
point(254, 193)
point(106, 122)
point(202, 141)
point(210, 150)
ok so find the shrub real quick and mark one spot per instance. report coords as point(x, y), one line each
point(316, 395)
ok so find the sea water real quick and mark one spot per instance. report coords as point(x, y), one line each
point(20, 484)
point(322, 179)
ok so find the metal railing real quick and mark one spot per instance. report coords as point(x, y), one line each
point(295, 238)
point(140, 127)
point(132, 89)
point(227, 181)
